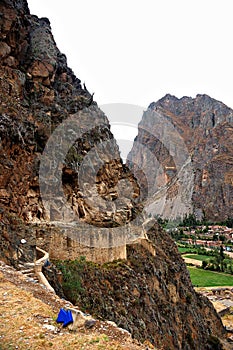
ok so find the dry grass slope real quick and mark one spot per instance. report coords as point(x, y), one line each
point(28, 312)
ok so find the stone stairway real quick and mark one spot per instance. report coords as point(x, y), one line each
point(28, 272)
point(33, 271)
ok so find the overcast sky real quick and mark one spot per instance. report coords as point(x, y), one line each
point(135, 52)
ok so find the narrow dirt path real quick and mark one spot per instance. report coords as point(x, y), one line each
point(191, 261)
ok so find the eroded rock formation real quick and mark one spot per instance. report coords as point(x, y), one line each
point(190, 142)
point(38, 93)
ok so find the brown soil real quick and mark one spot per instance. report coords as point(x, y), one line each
point(28, 309)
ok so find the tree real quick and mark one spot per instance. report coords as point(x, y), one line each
point(229, 222)
point(218, 262)
point(205, 230)
point(221, 258)
point(222, 238)
point(204, 264)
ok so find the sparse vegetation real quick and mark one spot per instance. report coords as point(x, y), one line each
point(71, 270)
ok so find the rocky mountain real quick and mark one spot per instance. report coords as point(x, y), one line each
point(183, 157)
point(39, 92)
point(60, 163)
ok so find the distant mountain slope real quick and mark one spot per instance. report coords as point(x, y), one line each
point(192, 140)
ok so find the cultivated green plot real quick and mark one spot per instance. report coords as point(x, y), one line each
point(183, 250)
point(204, 278)
point(198, 257)
point(191, 250)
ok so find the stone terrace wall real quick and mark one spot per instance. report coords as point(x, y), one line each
point(64, 245)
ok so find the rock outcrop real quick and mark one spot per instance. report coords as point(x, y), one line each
point(189, 142)
point(150, 296)
point(39, 92)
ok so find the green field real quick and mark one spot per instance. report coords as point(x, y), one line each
point(198, 257)
point(183, 250)
point(204, 278)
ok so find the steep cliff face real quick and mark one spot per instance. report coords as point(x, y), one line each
point(191, 141)
point(39, 92)
point(151, 296)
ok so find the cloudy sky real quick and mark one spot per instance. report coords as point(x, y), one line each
point(132, 51)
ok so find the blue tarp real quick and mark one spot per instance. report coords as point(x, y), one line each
point(65, 317)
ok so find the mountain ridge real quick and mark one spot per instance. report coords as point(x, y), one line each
point(204, 126)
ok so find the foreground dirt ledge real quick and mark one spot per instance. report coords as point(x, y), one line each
point(29, 312)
